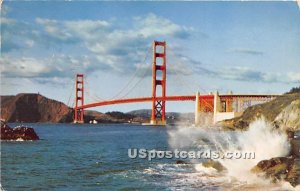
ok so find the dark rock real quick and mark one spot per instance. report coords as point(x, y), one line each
point(18, 133)
point(181, 162)
point(276, 169)
point(295, 147)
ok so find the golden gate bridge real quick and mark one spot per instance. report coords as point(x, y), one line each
point(221, 106)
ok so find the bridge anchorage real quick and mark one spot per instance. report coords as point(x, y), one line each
point(209, 108)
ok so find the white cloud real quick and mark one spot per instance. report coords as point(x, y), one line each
point(111, 46)
point(247, 51)
point(103, 37)
point(152, 25)
point(5, 20)
point(23, 67)
point(87, 29)
point(56, 66)
point(249, 74)
point(29, 43)
point(240, 73)
point(55, 29)
point(293, 77)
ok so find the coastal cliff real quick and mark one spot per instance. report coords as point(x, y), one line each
point(283, 112)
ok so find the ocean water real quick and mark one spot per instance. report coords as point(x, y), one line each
point(85, 157)
point(95, 157)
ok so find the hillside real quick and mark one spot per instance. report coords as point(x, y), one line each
point(282, 111)
point(33, 108)
point(114, 117)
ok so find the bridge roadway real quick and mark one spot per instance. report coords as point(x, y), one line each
point(170, 98)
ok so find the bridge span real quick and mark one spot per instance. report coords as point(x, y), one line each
point(177, 98)
point(220, 106)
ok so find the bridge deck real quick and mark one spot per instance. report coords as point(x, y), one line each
point(170, 98)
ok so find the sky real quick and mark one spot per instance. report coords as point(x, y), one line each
point(244, 47)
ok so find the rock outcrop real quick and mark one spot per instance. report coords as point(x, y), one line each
point(182, 162)
point(277, 169)
point(289, 117)
point(282, 168)
point(18, 133)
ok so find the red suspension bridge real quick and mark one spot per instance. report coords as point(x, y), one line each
point(222, 106)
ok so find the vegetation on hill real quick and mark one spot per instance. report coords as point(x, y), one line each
point(294, 90)
point(120, 115)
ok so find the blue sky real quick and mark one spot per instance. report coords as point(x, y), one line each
point(246, 47)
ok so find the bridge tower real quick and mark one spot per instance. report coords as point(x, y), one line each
point(159, 78)
point(79, 99)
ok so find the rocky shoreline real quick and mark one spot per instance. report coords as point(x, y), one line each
point(277, 169)
point(282, 168)
point(283, 112)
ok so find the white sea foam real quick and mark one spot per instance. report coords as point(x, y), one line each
point(207, 170)
point(1, 188)
point(20, 139)
point(261, 138)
